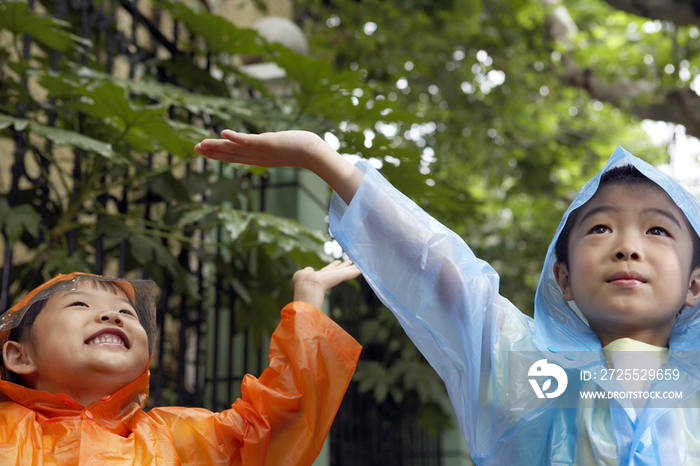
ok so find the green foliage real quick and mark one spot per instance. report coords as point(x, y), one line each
point(219, 34)
point(15, 221)
point(16, 18)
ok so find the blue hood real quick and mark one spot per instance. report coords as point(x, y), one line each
point(556, 324)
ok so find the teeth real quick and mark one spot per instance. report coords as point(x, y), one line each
point(106, 338)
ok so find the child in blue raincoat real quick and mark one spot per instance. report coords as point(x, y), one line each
point(607, 373)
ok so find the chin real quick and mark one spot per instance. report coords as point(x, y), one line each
point(116, 371)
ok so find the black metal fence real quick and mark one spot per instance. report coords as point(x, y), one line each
point(201, 355)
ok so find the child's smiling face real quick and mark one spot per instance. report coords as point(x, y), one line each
point(630, 253)
point(86, 340)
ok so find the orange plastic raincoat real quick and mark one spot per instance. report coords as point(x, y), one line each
point(282, 418)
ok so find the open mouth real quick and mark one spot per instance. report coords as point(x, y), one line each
point(109, 337)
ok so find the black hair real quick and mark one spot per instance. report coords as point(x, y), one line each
point(630, 175)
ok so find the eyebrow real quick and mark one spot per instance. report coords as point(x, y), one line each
point(597, 210)
point(650, 210)
point(664, 213)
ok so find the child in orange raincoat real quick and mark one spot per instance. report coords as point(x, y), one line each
point(75, 377)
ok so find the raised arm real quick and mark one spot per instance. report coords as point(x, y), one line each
point(286, 149)
point(445, 298)
point(284, 416)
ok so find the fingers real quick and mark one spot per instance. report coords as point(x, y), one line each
point(217, 145)
point(338, 271)
point(334, 264)
point(351, 271)
point(234, 136)
point(248, 149)
point(228, 151)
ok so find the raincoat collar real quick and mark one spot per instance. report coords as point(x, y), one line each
point(557, 327)
point(114, 412)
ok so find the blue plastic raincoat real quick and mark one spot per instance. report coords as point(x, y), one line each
point(448, 302)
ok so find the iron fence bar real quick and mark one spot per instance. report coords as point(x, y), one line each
point(199, 373)
point(155, 32)
point(85, 23)
point(183, 259)
point(122, 207)
point(182, 333)
point(110, 39)
point(158, 378)
point(215, 331)
point(232, 333)
point(99, 241)
point(77, 174)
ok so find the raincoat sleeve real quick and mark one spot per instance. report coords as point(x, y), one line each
point(283, 417)
point(444, 297)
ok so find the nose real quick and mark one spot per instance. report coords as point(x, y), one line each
point(628, 248)
point(109, 316)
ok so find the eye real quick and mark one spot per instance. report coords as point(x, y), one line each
point(658, 231)
point(600, 229)
point(127, 312)
point(79, 304)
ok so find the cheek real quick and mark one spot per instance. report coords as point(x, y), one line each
point(47, 334)
point(57, 335)
point(141, 339)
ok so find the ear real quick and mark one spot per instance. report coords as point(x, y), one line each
point(691, 299)
point(561, 275)
point(18, 358)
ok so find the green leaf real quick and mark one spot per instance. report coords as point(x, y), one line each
point(113, 230)
point(60, 262)
point(235, 222)
point(71, 138)
point(199, 212)
point(286, 226)
point(168, 187)
point(220, 34)
point(16, 18)
point(141, 249)
point(164, 258)
point(61, 136)
point(20, 219)
point(168, 94)
point(190, 76)
point(7, 121)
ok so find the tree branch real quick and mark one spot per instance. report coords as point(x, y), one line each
point(682, 12)
point(641, 98)
point(644, 99)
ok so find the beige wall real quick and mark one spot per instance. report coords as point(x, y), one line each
point(244, 14)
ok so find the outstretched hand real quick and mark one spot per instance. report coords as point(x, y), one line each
point(302, 149)
point(281, 149)
point(310, 286)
